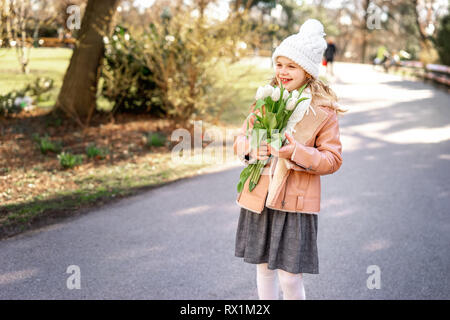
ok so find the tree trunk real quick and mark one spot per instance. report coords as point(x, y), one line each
point(364, 46)
point(77, 97)
point(364, 31)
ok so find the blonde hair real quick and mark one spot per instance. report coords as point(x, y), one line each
point(319, 91)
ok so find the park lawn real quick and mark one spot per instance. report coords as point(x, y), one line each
point(44, 62)
point(35, 190)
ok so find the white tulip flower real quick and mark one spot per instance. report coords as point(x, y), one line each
point(295, 94)
point(259, 93)
point(268, 90)
point(276, 94)
point(290, 105)
point(285, 95)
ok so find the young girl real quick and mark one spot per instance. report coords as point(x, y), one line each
point(278, 222)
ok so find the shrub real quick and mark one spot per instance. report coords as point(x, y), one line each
point(45, 145)
point(169, 69)
point(98, 153)
point(18, 100)
point(53, 122)
point(442, 42)
point(126, 80)
point(39, 87)
point(181, 53)
point(68, 160)
point(8, 105)
point(155, 139)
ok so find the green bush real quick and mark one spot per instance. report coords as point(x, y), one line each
point(68, 160)
point(8, 105)
point(45, 145)
point(18, 100)
point(169, 69)
point(442, 42)
point(4, 170)
point(53, 122)
point(41, 86)
point(93, 152)
point(155, 139)
point(126, 80)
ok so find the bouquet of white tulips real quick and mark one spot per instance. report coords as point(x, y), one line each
point(270, 125)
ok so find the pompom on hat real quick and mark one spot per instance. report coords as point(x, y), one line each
point(305, 48)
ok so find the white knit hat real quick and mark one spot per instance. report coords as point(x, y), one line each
point(305, 48)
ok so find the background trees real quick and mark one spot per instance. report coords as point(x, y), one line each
point(238, 27)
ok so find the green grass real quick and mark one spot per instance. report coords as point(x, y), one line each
point(155, 139)
point(244, 78)
point(44, 62)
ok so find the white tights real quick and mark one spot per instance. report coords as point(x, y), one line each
point(291, 284)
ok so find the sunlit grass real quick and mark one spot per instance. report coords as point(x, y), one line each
point(44, 62)
point(244, 77)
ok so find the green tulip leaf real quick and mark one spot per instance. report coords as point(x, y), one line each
point(300, 100)
point(271, 120)
point(275, 142)
point(243, 177)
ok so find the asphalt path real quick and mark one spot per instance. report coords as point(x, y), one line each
point(386, 209)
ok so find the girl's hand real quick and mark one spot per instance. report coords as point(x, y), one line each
point(262, 153)
point(285, 151)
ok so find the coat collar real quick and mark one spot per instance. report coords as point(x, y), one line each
point(306, 127)
point(304, 130)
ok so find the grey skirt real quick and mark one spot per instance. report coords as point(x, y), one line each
point(284, 240)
